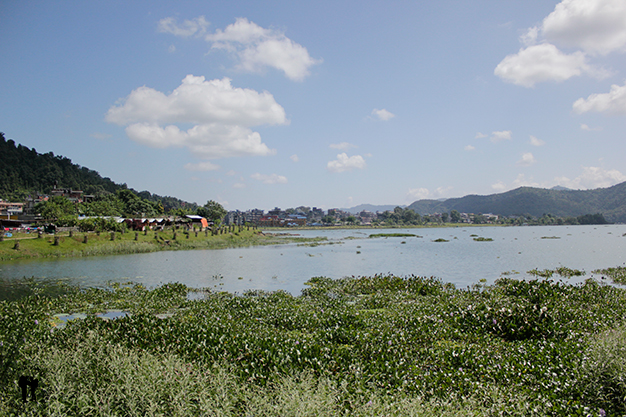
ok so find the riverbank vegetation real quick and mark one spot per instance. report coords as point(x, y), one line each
point(366, 346)
point(61, 245)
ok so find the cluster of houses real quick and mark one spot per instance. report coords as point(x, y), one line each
point(301, 216)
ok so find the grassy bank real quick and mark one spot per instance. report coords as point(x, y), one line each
point(91, 244)
point(366, 346)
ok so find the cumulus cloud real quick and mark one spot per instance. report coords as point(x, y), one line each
point(595, 26)
point(345, 163)
point(269, 179)
point(539, 63)
point(499, 136)
point(480, 135)
point(593, 177)
point(343, 146)
point(188, 28)
point(612, 102)
point(202, 166)
point(499, 186)
point(256, 48)
point(536, 142)
point(469, 148)
point(221, 115)
point(383, 114)
point(418, 193)
point(522, 181)
point(527, 160)
point(294, 158)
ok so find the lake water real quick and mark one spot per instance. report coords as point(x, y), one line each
point(350, 252)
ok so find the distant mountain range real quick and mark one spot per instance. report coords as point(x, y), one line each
point(559, 201)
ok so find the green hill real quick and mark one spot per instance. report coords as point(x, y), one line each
point(24, 172)
point(611, 202)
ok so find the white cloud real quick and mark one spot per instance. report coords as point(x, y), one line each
point(343, 146)
point(539, 63)
point(521, 181)
point(469, 148)
point(418, 194)
point(345, 163)
point(612, 102)
point(589, 129)
point(171, 49)
point(480, 135)
point(256, 48)
point(239, 185)
point(499, 186)
point(383, 114)
point(530, 37)
point(593, 177)
point(527, 160)
point(499, 136)
point(191, 27)
point(294, 158)
point(536, 142)
point(222, 117)
point(202, 166)
point(595, 26)
point(269, 179)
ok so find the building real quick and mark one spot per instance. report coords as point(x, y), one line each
point(11, 210)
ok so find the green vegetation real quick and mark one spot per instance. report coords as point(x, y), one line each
point(392, 235)
point(440, 240)
point(617, 274)
point(25, 172)
point(124, 243)
point(562, 271)
point(569, 206)
point(380, 345)
point(483, 239)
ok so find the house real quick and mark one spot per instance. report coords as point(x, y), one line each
point(11, 210)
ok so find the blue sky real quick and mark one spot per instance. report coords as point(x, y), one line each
point(328, 104)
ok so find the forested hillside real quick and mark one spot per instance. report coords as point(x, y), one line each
point(25, 172)
point(611, 202)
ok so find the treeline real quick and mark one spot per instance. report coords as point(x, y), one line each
point(408, 217)
point(124, 203)
point(25, 172)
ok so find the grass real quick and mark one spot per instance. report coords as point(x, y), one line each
point(363, 346)
point(124, 243)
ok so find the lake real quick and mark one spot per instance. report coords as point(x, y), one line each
point(351, 252)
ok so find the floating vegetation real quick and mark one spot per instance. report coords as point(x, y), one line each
point(361, 346)
point(392, 235)
point(562, 271)
point(550, 237)
point(473, 235)
point(440, 240)
point(511, 272)
point(617, 274)
point(483, 239)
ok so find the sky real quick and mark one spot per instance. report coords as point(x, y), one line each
point(330, 104)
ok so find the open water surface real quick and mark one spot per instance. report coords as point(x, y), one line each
point(350, 252)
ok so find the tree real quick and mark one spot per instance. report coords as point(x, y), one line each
point(455, 216)
point(214, 211)
point(444, 217)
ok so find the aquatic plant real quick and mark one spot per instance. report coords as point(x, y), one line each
point(355, 346)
